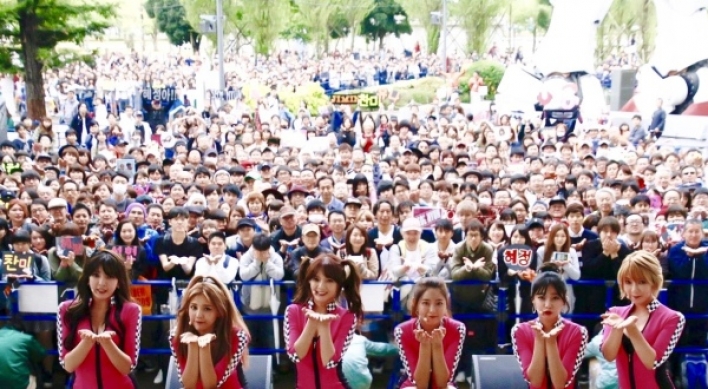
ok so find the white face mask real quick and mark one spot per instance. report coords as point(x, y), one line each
point(316, 218)
point(485, 200)
point(120, 189)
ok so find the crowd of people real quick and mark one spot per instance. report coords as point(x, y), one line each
point(211, 197)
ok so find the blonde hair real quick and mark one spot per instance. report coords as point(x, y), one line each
point(641, 266)
point(228, 317)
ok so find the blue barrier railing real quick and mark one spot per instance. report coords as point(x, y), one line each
point(397, 313)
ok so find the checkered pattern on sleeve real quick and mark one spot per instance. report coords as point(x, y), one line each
point(579, 356)
point(515, 348)
point(60, 335)
point(174, 353)
point(398, 334)
point(236, 358)
point(673, 341)
point(138, 331)
point(462, 331)
point(334, 363)
point(286, 338)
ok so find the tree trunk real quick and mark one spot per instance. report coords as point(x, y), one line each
point(353, 30)
point(433, 37)
point(381, 39)
point(36, 107)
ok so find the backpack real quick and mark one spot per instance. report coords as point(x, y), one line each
point(694, 371)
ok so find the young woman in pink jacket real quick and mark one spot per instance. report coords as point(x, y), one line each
point(550, 348)
point(99, 331)
point(210, 342)
point(430, 343)
point(640, 337)
point(317, 330)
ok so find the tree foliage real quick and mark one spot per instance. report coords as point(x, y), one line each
point(171, 19)
point(478, 18)
point(264, 21)
point(319, 20)
point(31, 30)
point(353, 12)
point(627, 19)
point(387, 17)
point(420, 10)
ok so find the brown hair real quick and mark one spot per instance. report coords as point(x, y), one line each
point(228, 317)
point(551, 245)
point(348, 243)
point(641, 266)
point(421, 286)
point(334, 268)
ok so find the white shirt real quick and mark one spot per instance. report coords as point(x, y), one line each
point(225, 273)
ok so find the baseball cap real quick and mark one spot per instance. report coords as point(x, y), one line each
point(307, 228)
point(411, 224)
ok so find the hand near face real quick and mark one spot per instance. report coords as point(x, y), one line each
point(188, 338)
point(554, 332)
point(205, 340)
point(423, 337)
point(611, 319)
point(438, 335)
point(538, 330)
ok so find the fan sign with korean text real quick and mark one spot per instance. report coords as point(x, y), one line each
point(517, 256)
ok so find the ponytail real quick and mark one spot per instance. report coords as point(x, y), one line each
point(351, 285)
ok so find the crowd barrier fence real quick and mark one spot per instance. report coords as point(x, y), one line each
point(396, 313)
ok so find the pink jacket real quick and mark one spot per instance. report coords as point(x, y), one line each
point(311, 372)
point(662, 332)
point(571, 346)
point(97, 371)
point(408, 347)
point(229, 371)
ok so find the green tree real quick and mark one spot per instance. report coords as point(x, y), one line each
point(31, 30)
point(387, 17)
point(319, 19)
point(533, 15)
point(353, 12)
point(625, 20)
point(233, 13)
point(171, 19)
point(420, 10)
point(478, 18)
point(264, 21)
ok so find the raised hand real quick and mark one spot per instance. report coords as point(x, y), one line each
point(104, 337)
point(438, 335)
point(614, 320)
point(188, 338)
point(204, 340)
point(538, 330)
point(554, 332)
point(579, 246)
point(423, 337)
point(87, 335)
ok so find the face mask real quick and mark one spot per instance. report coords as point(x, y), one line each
point(315, 218)
point(485, 201)
point(120, 189)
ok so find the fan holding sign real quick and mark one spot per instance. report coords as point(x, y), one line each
point(557, 250)
point(516, 265)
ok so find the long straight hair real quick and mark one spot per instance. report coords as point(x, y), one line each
point(551, 244)
point(80, 308)
point(228, 317)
